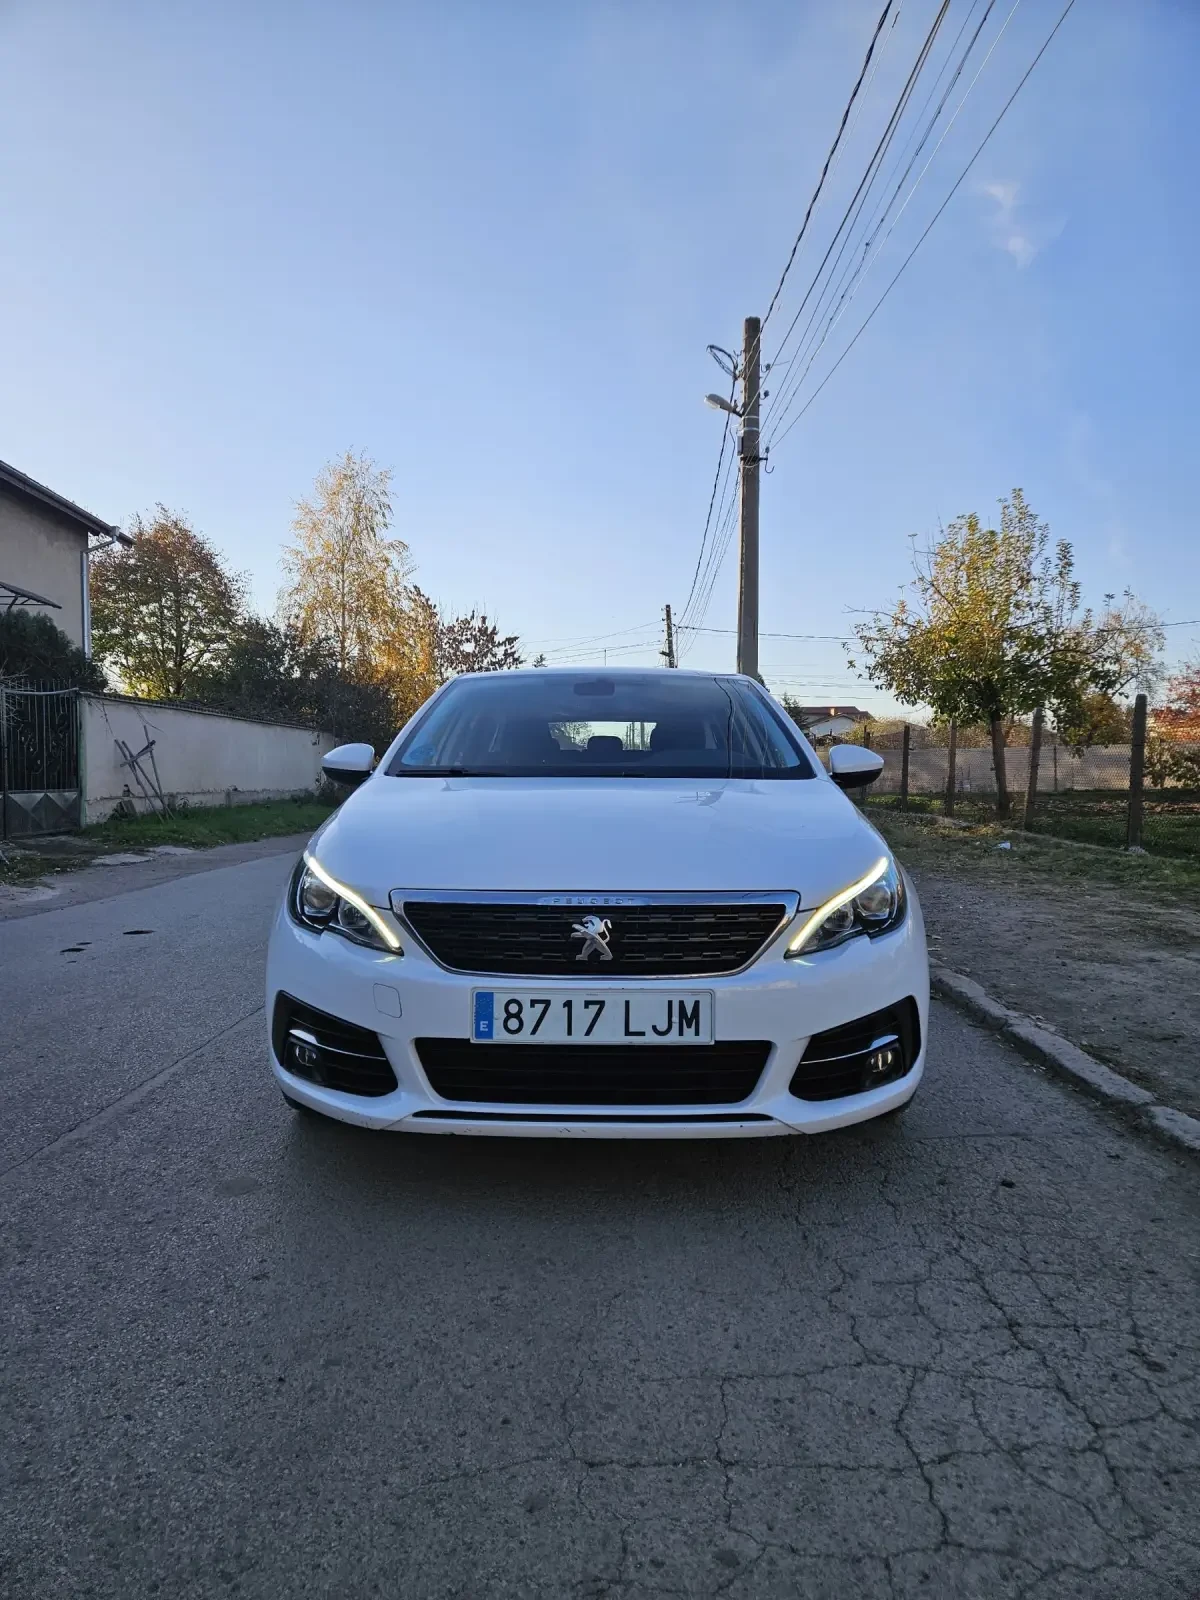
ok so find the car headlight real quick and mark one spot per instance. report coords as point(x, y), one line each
point(874, 905)
point(318, 901)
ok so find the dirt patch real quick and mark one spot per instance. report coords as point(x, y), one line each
point(1105, 951)
point(103, 882)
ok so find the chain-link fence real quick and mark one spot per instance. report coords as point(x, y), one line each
point(1166, 811)
point(1145, 793)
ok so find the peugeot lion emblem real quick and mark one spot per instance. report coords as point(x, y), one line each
point(594, 931)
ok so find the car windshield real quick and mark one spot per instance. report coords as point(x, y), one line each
point(656, 724)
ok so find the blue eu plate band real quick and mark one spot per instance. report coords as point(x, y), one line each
point(485, 1021)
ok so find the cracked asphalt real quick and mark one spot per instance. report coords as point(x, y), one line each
point(957, 1355)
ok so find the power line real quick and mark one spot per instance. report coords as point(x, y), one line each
point(711, 501)
point(859, 274)
point(872, 171)
point(595, 652)
point(707, 571)
point(569, 647)
point(883, 16)
point(929, 228)
point(786, 392)
point(718, 547)
point(598, 652)
point(830, 638)
point(586, 638)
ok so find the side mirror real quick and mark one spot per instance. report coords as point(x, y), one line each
point(349, 764)
point(851, 766)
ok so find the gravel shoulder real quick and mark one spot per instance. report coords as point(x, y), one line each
point(1101, 947)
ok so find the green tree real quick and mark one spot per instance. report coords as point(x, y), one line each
point(271, 671)
point(268, 671)
point(1100, 719)
point(33, 647)
point(1128, 641)
point(1173, 745)
point(993, 630)
point(346, 575)
point(164, 609)
point(1183, 699)
point(1130, 637)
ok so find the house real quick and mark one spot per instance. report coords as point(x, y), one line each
point(45, 541)
point(825, 722)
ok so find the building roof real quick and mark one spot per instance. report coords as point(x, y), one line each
point(33, 490)
point(820, 713)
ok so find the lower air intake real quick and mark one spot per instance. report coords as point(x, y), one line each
point(329, 1052)
point(859, 1055)
point(594, 1075)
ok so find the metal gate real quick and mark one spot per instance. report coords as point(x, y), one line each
point(39, 761)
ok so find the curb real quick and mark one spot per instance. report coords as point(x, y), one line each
point(1067, 1060)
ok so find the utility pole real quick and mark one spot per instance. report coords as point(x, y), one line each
point(669, 652)
point(1137, 774)
point(749, 464)
point(1035, 754)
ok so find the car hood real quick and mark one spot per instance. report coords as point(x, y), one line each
point(597, 836)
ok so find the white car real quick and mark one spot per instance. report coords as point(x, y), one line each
point(620, 905)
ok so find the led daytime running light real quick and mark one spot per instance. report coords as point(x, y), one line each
point(817, 917)
point(356, 900)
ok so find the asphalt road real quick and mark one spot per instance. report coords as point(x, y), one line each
point(249, 1354)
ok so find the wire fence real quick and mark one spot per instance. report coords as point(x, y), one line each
point(1144, 794)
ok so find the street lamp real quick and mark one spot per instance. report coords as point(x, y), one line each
point(719, 403)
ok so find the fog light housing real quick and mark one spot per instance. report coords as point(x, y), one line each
point(885, 1062)
point(304, 1055)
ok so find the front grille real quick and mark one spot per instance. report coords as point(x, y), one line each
point(329, 1052)
point(838, 1062)
point(594, 1075)
point(650, 941)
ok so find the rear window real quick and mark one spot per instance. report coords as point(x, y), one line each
point(561, 725)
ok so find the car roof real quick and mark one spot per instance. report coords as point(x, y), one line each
point(603, 672)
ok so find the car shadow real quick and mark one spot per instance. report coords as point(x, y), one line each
point(332, 1161)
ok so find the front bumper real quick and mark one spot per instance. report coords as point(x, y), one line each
point(784, 1002)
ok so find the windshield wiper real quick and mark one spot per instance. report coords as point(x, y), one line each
point(450, 772)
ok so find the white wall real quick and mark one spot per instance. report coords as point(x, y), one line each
point(831, 725)
point(205, 758)
point(42, 550)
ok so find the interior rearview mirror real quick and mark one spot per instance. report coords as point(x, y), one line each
point(851, 766)
point(349, 764)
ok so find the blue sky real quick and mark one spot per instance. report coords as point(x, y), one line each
point(488, 244)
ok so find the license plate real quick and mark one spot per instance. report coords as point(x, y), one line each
point(589, 1016)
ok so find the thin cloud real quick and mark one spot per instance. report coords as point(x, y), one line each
point(1008, 230)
